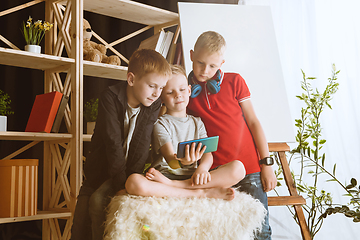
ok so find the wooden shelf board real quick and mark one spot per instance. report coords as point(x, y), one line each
point(278, 147)
point(286, 200)
point(33, 136)
point(39, 216)
point(130, 11)
point(87, 137)
point(19, 58)
point(104, 70)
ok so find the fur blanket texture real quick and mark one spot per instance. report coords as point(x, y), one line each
point(133, 217)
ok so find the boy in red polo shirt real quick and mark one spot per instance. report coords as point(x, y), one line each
point(222, 100)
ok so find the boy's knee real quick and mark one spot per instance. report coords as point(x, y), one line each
point(134, 184)
point(238, 169)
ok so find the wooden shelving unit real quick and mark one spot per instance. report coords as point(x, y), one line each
point(19, 58)
point(63, 152)
point(41, 215)
point(30, 136)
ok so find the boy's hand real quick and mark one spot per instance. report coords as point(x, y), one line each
point(268, 178)
point(200, 177)
point(192, 154)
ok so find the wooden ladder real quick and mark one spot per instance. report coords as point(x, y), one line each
point(294, 199)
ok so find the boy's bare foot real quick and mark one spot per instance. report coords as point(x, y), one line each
point(155, 175)
point(220, 193)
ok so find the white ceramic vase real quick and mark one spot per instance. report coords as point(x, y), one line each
point(33, 48)
point(3, 123)
point(90, 126)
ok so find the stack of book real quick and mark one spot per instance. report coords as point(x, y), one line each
point(47, 112)
point(159, 42)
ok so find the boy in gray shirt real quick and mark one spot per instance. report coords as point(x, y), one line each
point(173, 129)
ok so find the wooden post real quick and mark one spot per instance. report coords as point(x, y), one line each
point(293, 192)
point(76, 100)
point(294, 199)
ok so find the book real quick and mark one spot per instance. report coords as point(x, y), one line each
point(60, 114)
point(154, 42)
point(43, 112)
point(171, 53)
point(167, 42)
point(178, 58)
point(159, 42)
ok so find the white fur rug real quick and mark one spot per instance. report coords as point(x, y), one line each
point(132, 217)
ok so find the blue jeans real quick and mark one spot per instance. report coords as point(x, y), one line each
point(98, 202)
point(252, 185)
point(81, 228)
point(90, 213)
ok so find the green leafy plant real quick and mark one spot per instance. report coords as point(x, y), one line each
point(5, 101)
point(34, 32)
point(91, 110)
point(319, 202)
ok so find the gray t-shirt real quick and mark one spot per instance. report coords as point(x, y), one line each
point(129, 127)
point(174, 129)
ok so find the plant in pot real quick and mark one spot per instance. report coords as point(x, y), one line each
point(90, 114)
point(5, 110)
point(34, 33)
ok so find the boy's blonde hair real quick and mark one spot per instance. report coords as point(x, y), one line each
point(211, 41)
point(145, 61)
point(175, 70)
point(178, 70)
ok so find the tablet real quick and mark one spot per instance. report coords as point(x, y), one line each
point(211, 144)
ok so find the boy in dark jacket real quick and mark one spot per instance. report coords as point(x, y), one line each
point(121, 140)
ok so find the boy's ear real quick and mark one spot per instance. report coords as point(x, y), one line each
point(189, 86)
point(130, 78)
point(191, 55)
point(223, 61)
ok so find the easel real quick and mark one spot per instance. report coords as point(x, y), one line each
point(294, 199)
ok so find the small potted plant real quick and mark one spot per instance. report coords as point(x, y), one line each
point(90, 114)
point(34, 33)
point(5, 110)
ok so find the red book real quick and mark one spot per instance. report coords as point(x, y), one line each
point(43, 112)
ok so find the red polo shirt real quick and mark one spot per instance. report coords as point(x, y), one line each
point(223, 117)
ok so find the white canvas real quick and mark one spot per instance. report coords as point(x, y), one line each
point(251, 51)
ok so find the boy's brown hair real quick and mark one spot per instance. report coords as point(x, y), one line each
point(145, 61)
point(211, 41)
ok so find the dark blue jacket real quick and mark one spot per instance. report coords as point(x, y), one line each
point(106, 159)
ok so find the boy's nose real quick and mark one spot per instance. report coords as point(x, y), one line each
point(205, 69)
point(157, 92)
point(178, 95)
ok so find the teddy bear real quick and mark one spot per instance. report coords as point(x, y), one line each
point(94, 51)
